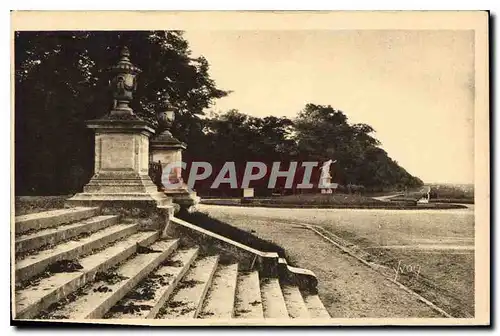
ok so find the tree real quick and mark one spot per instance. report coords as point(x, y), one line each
point(323, 133)
point(237, 137)
point(318, 133)
point(61, 81)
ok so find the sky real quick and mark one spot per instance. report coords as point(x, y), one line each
point(415, 88)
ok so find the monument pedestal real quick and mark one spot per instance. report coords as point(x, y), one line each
point(121, 183)
point(167, 150)
point(324, 184)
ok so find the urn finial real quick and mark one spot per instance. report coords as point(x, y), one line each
point(165, 118)
point(125, 53)
point(123, 84)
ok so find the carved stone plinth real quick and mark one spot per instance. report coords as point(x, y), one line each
point(121, 168)
point(167, 150)
point(325, 184)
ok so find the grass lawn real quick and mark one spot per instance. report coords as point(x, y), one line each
point(335, 201)
point(447, 275)
point(453, 200)
point(324, 199)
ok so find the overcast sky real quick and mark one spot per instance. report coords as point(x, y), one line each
point(416, 88)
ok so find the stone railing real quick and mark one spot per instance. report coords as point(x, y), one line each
point(155, 173)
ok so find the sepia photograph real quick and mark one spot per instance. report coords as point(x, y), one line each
point(270, 168)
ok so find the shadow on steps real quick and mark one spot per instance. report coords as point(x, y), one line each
point(224, 229)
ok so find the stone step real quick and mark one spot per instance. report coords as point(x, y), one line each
point(186, 302)
point(294, 302)
point(248, 302)
point(37, 263)
point(40, 295)
point(315, 306)
point(146, 299)
point(272, 299)
point(219, 302)
point(52, 218)
point(55, 235)
point(104, 294)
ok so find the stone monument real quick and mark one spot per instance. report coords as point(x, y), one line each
point(425, 198)
point(166, 151)
point(120, 180)
point(326, 178)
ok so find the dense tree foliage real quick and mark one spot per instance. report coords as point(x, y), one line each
point(61, 81)
point(318, 133)
point(323, 133)
point(239, 138)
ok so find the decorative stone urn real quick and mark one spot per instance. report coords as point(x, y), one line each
point(121, 181)
point(166, 151)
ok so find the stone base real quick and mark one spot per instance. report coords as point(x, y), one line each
point(129, 194)
point(120, 182)
point(187, 200)
point(159, 198)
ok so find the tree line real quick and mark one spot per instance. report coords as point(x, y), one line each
point(318, 133)
point(61, 81)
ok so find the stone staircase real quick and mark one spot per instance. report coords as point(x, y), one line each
point(78, 264)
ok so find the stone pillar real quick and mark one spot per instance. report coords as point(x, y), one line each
point(120, 183)
point(167, 150)
point(121, 161)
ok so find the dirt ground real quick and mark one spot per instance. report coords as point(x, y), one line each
point(347, 287)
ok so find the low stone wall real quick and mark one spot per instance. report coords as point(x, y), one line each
point(269, 264)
